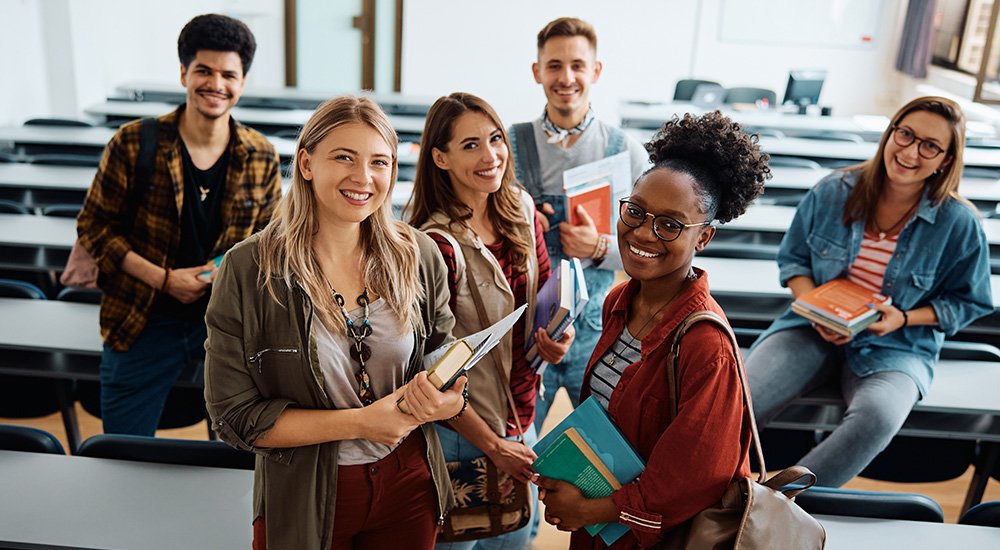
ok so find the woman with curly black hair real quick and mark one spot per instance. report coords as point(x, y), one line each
point(896, 225)
point(705, 169)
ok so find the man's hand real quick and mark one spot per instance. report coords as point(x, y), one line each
point(579, 241)
point(185, 286)
point(551, 350)
point(542, 213)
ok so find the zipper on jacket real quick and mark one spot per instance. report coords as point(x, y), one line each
point(257, 357)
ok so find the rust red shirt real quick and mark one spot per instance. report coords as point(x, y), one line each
point(690, 461)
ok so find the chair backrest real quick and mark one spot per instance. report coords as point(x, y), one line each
point(986, 514)
point(870, 504)
point(63, 122)
point(750, 95)
point(62, 210)
point(830, 135)
point(13, 207)
point(969, 351)
point(214, 454)
point(29, 440)
point(79, 295)
point(66, 159)
point(684, 89)
point(12, 288)
point(940, 459)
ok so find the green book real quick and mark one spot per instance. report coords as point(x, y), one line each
point(570, 459)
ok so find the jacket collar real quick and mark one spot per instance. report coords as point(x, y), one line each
point(692, 298)
point(239, 134)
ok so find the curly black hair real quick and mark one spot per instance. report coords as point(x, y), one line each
point(219, 33)
point(726, 163)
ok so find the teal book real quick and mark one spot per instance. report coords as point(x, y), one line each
point(595, 427)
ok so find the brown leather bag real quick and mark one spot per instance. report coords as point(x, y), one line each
point(753, 514)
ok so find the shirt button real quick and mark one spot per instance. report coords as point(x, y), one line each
point(374, 470)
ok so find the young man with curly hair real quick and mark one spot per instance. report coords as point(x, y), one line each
point(567, 135)
point(205, 183)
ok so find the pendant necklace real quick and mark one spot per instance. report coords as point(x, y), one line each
point(204, 192)
point(359, 350)
point(883, 232)
point(690, 277)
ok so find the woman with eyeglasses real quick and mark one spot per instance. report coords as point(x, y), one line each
point(894, 224)
point(317, 326)
point(705, 170)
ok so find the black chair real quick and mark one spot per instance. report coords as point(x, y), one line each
point(750, 95)
point(870, 504)
point(28, 440)
point(215, 454)
point(66, 159)
point(12, 288)
point(795, 162)
point(80, 295)
point(62, 210)
point(986, 514)
point(684, 90)
point(13, 207)
point(63, 122)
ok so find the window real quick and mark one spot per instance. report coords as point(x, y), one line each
point(967, 39)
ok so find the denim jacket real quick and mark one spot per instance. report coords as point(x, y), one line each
point(941, 260)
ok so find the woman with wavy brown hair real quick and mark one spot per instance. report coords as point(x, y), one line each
point(316, 328)
point(467, 199)
point(896, 225)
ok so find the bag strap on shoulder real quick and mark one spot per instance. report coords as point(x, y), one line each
point(149, 132)
point(527, 165)
point(686, 324)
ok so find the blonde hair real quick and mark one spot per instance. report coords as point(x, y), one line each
point(433, 189)
point(862, 202)
point(389, 255)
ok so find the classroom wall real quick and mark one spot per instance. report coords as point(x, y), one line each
point(72, 53)
point(646, 46)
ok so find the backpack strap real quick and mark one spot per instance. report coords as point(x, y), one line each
point(712, 317)
point(527, 165)
point(149, 132)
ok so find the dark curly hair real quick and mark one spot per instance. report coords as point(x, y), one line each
point(219, 33)
point(726, 163)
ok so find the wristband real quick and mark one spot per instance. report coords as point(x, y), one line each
point(166, 277)
point(465, 402)
point(906, 319)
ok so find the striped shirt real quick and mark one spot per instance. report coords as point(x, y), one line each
point(626, 351)
point(523, 379)
point(868, 269)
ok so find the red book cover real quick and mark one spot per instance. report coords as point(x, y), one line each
point(596, 200)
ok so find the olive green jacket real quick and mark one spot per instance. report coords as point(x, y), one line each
point(261, 358)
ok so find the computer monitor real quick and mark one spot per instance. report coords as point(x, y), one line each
point(803, 87)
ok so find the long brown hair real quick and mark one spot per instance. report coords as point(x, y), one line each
point(432, 186)
point(389, 252)
point(863, 199)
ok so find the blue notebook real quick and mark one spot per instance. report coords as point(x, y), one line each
point(595, 426)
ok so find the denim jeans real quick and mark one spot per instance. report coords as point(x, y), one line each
point(792, 362)
point(135, 383)
point(456, 447)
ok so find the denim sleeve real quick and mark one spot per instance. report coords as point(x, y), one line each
point(794, 257)
point(965, 291)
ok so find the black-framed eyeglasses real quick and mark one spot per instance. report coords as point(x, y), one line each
point(664, 227)
point(904, 137)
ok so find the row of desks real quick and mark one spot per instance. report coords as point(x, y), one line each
point(56, 502)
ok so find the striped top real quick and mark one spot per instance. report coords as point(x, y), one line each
point(608, 371)
point(868, 269)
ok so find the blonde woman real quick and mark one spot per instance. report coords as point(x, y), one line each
point(316, 327)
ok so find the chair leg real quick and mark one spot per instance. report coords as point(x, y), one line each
point(988, 462)
point(64, 394)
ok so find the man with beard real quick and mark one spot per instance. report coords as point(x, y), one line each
point(170, 195)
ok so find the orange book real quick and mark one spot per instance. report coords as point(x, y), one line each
point(596, 200)
point(841, 303)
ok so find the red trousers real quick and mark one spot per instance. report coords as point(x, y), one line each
point(383, 504)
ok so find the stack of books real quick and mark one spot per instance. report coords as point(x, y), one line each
point(560, 301)
point(841, 306)
point(587, 450)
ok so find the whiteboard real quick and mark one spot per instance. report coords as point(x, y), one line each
point(812, 23)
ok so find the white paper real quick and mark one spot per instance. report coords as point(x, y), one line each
point(481, 342)
point(617, 167)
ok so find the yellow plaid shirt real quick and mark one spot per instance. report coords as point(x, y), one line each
point(252, 188)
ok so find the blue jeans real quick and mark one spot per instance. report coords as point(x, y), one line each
point(793, 362)
point(135, 383)
point(569, 373)
point(456, 447)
